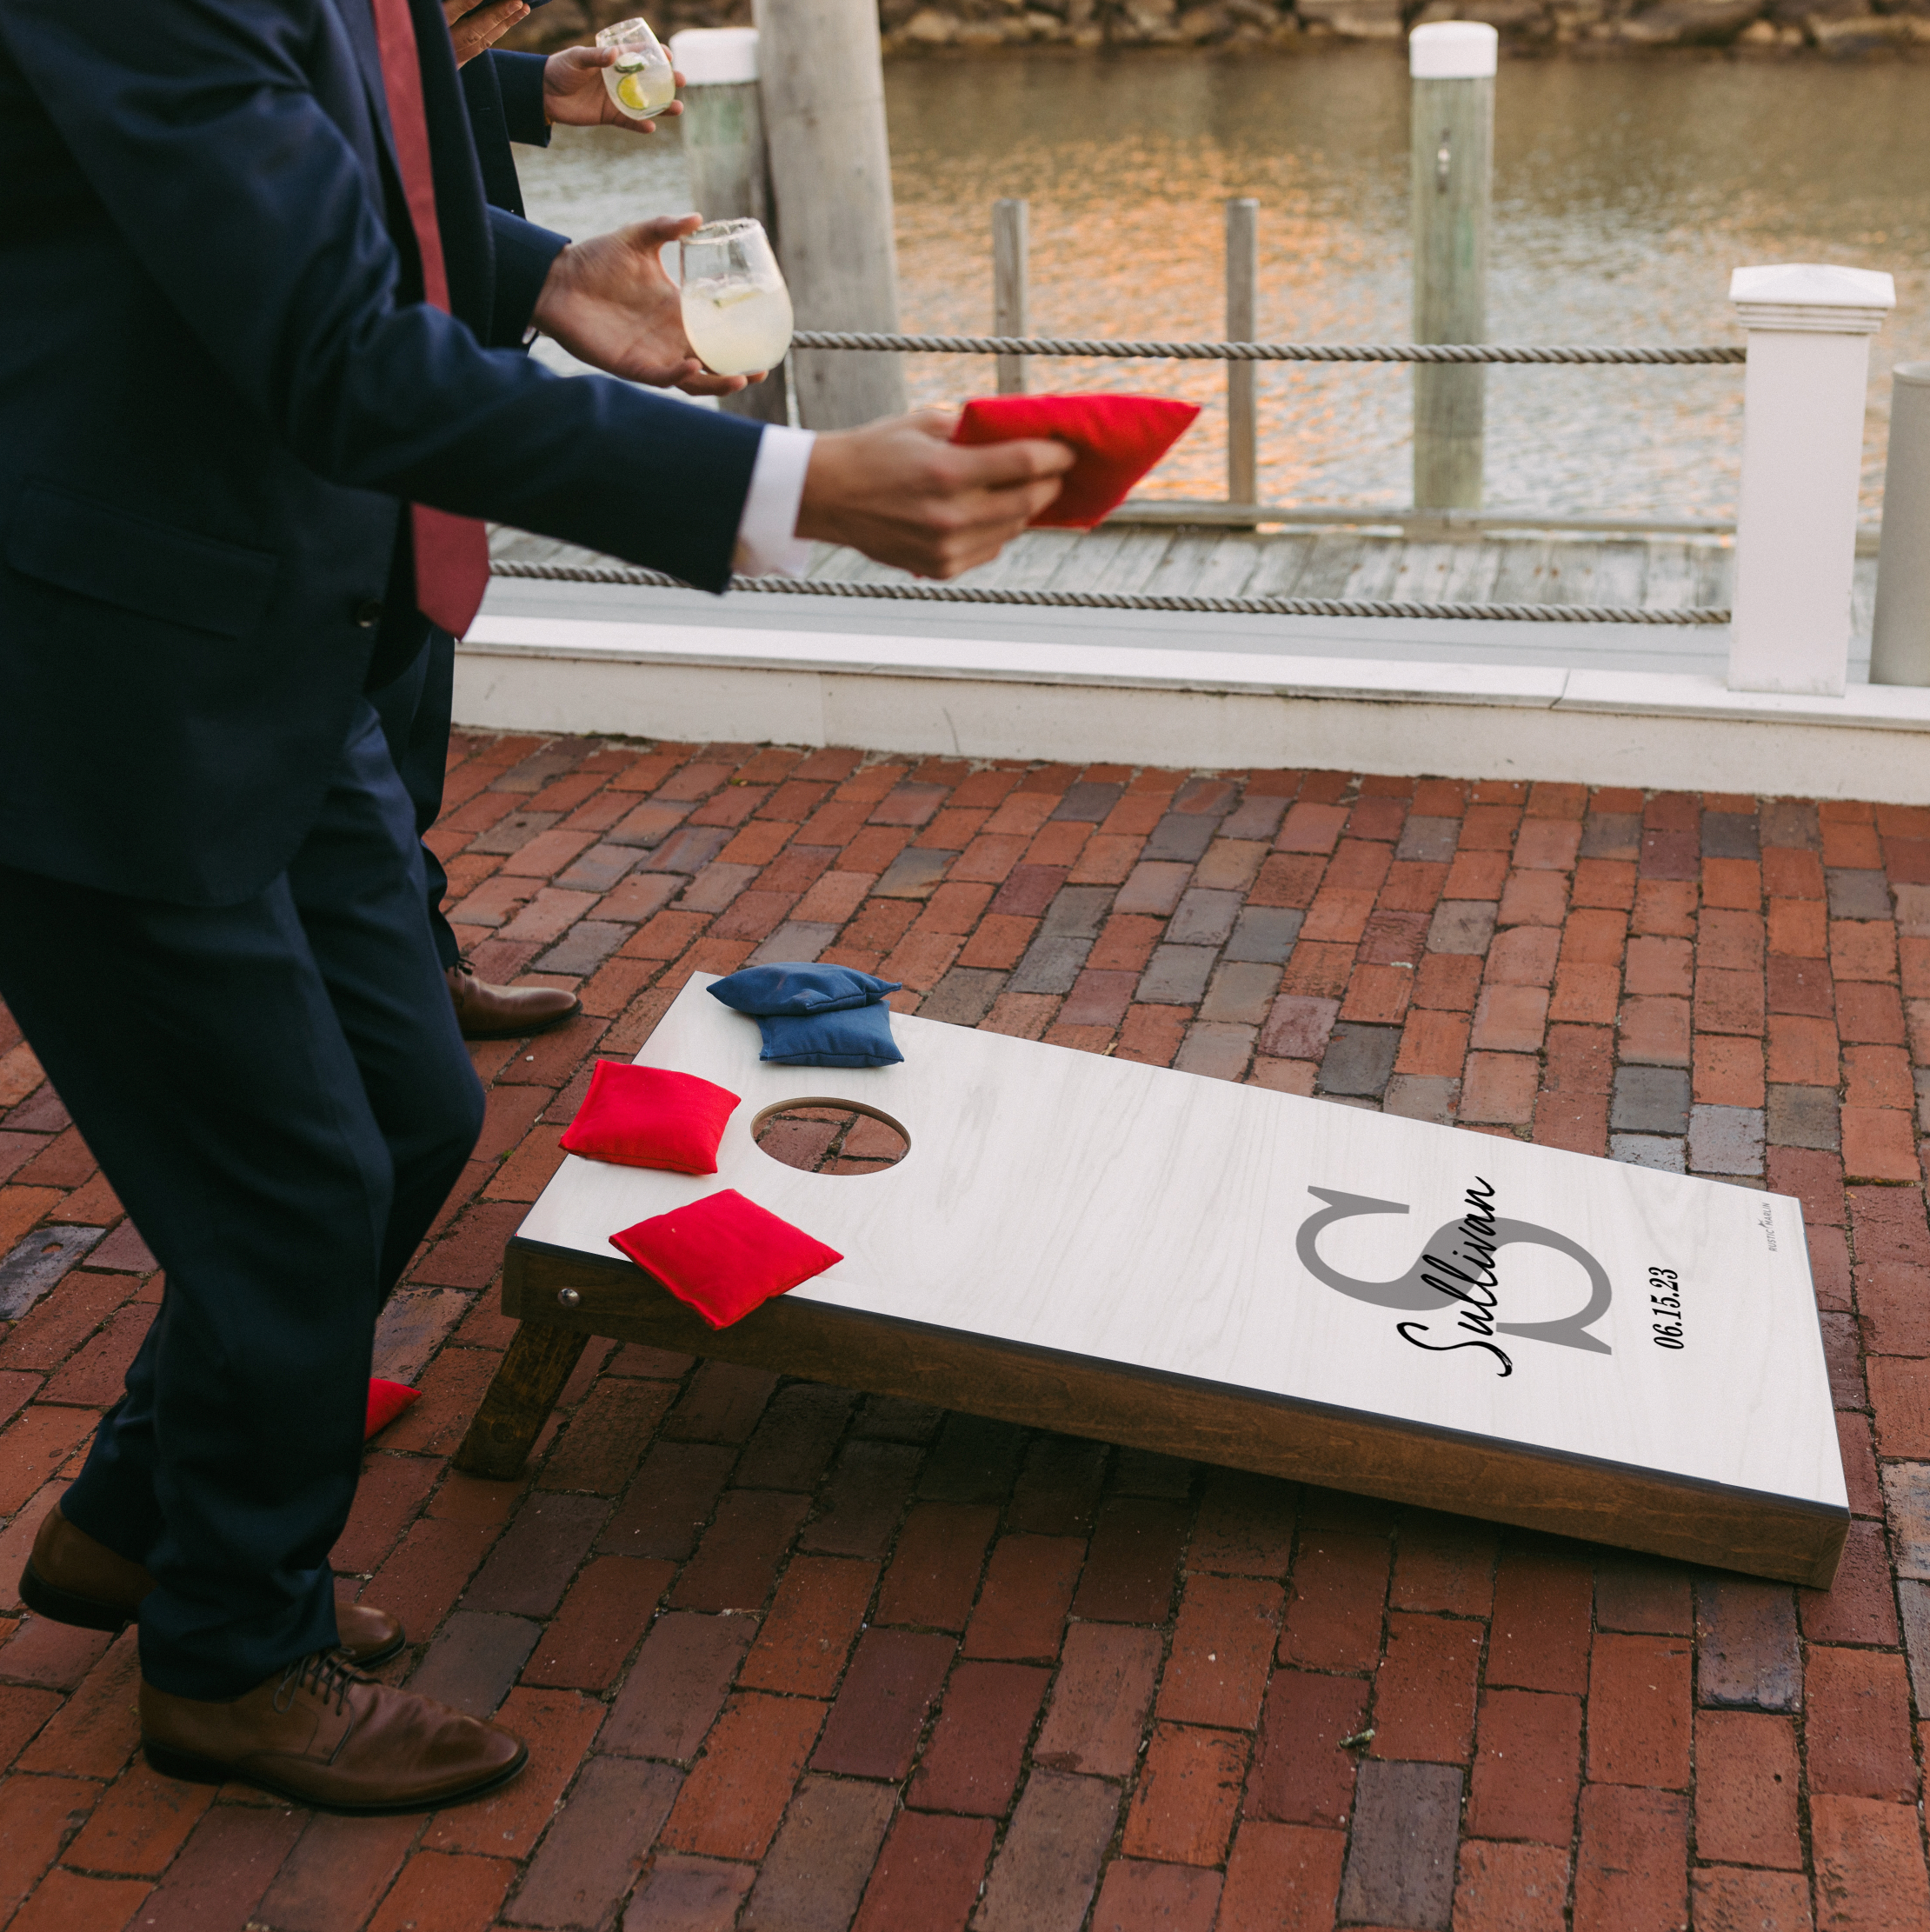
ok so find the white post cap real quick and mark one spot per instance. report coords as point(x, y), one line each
point(1813, 298)
point(714, 56)
point(1454, 50)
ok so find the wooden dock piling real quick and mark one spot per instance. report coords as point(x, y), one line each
point(1242, 325)
point(1011, 247)
point(723, 146)
point(1453, 69)
point(822, 81)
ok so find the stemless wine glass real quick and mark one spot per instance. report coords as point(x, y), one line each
point(642, 82)
point(737, 310)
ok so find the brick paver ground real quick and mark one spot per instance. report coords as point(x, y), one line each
point(793, 1659)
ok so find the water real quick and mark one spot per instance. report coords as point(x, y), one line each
point(1625, 192)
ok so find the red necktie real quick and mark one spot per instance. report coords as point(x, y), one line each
point(452, 553)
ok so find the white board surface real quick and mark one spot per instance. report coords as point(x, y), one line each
point(1135, 1215)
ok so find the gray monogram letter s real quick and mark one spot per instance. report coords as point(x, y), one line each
point(1410, 1291)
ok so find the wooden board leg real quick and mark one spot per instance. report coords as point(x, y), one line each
point(518, 1401)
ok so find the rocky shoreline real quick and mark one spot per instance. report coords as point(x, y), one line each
point(1835, 29)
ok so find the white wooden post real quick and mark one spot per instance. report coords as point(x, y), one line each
point(1809, 326)
point(724, 143)
point(822, 79)
point(722, 124)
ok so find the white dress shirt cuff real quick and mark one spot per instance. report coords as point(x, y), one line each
point(768, 543)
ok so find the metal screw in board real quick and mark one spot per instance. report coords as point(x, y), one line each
point(569, 1297)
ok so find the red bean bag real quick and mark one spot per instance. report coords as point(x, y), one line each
point(647, 1117)
point(387, 1400)
point(1118, 439)
point(724, 1255)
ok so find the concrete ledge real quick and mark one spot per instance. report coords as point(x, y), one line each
point(1206, 708)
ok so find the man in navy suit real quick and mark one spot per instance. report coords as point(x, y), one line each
point(511, 97)
point(248, 405)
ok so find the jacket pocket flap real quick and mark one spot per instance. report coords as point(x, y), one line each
point(155, 570)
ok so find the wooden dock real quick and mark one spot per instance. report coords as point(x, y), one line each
point(1651, 573)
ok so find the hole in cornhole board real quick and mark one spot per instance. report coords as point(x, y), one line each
point(830, 1136)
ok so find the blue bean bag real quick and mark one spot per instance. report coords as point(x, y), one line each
point(815, 1015)
point(850, 1036)
point(800, 989)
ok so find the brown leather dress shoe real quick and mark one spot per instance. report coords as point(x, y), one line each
point(324, 1734)
point(70, 1578)
point(486, 1012)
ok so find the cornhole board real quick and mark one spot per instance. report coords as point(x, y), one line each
point(1246, 1277)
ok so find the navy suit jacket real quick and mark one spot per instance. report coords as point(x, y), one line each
point(505, 99)
point(218, 384)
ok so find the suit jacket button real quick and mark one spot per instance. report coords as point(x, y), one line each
point(369, 613)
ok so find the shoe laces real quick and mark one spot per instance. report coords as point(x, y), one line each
point(324, 1673)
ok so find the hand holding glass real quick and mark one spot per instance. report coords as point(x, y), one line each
point(642, 82)
point(737, 310)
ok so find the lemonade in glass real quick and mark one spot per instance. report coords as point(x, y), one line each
point(641, 82)
point(737, 310)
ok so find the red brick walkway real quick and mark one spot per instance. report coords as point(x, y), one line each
point(793, 1659)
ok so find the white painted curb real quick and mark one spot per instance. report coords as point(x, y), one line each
point(1191, 708)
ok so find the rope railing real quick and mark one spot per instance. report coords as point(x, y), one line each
point(1116, 599)
point(1266, 351)
point(1240, 607)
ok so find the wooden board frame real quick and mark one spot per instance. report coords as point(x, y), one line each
point(1142, 1255)
point(1632, 1508)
